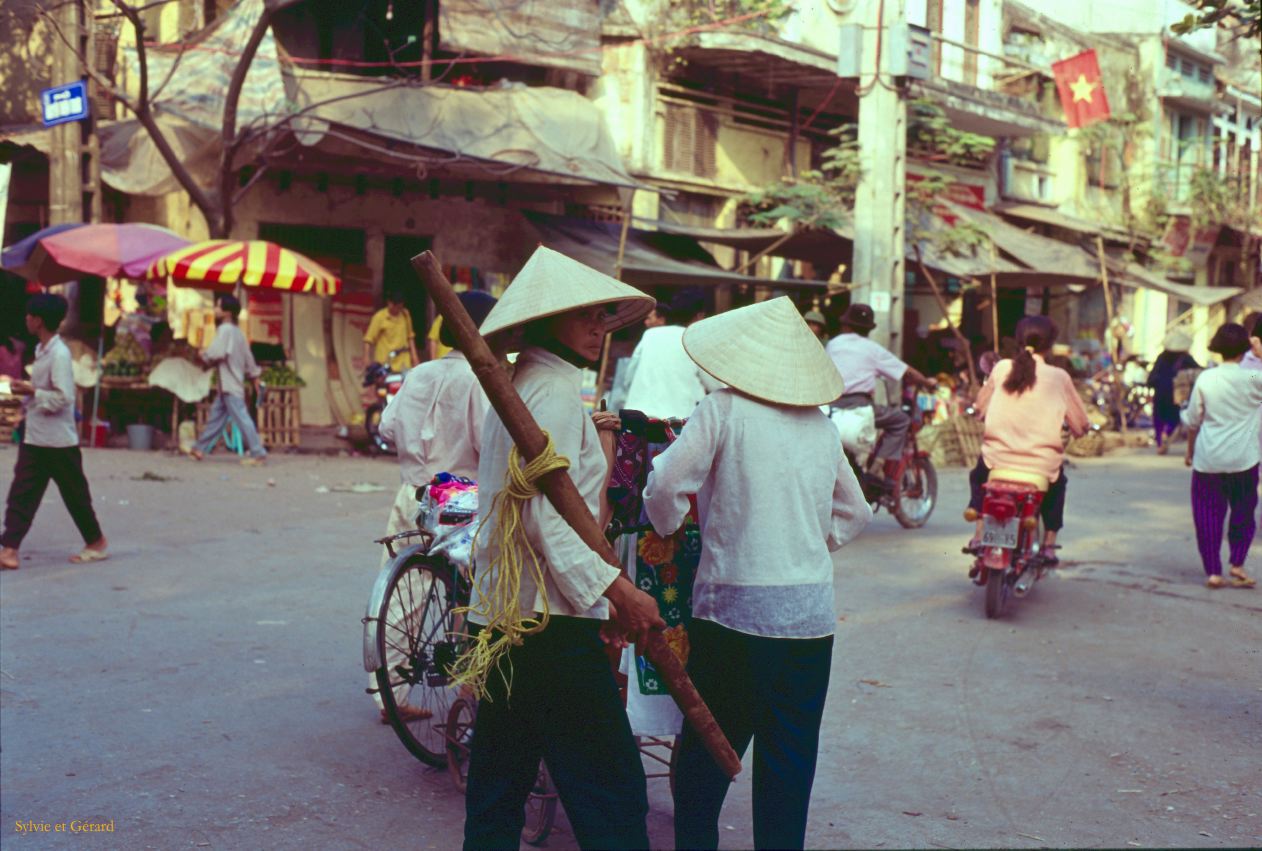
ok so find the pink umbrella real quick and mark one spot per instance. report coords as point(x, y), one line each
point(111, 250)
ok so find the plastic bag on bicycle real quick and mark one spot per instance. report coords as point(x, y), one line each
point(448, 510)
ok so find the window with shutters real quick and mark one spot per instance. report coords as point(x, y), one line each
point(689, 140)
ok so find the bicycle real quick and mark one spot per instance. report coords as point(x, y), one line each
point(412, 636)
point(914, 492)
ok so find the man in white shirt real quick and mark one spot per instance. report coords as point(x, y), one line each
point(861, 361)
point(664, 382)
point(230, 355)
point(50, 443)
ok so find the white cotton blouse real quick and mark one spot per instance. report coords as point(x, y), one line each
point(575, 578)
point(775, 497)
point(1224, 406)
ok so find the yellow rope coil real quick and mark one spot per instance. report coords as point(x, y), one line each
point(500, 605)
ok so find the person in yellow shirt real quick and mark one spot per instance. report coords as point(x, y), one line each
point(390, 330)
point(434, 342)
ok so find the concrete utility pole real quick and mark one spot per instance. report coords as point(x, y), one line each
point(880, 202)
point(65, 170)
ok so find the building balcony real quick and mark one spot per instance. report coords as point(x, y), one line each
point(985, 92)
point(1192, 91)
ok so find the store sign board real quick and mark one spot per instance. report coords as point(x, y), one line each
point(61, 104)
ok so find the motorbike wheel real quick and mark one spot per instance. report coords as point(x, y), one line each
point(916, 494)
point(996, 592)
point(372, 425)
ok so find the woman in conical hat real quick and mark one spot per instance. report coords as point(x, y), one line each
point(540, 594)
point(776, 497)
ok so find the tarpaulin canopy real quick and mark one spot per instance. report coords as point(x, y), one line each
point(1134, 275)
point(651, 258)
point(1049, 216)
point(1059, 261)
point(511, 130)
point(817, 245)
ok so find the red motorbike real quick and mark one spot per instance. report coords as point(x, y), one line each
point(1009, 552)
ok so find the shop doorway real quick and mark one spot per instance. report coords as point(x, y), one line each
point(397, 273)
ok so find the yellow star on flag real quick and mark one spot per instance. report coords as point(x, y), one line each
point(1082, 88)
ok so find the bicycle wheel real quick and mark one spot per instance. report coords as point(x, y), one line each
point(917, 493)
point(459, 734)
point(417, 643)
point(541, 809)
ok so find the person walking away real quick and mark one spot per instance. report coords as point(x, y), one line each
point(391, 338)
point(230, 354)
point(663, 381)
point(861, 361)
point(775, 497)
point(1173, 359)
point(1025, 402)
point(50, 443)
point(540, 595)
point(1223, 454)
point(435, 424)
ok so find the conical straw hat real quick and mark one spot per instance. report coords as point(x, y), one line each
point(766, 351)
point(551, 283)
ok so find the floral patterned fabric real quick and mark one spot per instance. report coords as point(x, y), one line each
point(663, 568)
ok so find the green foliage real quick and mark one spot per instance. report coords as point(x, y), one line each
point(1244, 17)
point(931, 136)
point(816, 199)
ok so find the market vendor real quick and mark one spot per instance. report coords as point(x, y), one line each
point(540, 594)
point(776, 497)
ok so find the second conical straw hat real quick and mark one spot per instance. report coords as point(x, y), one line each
point(766, 351)
point(551, 283)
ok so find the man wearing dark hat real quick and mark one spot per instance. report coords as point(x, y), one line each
point(861, 362)
point(663, 381)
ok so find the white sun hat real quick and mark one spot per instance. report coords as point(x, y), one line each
point(551, 283)
point(766, 351)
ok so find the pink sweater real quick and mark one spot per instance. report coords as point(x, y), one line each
point(1023, 432)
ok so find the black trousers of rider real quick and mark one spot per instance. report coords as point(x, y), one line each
point(1052, 510)
point(770, 691)
point(564, 708)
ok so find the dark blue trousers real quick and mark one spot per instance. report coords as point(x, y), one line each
point(770, 691)
point(564, 707)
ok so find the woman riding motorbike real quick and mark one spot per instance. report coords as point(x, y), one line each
point(1025, 402)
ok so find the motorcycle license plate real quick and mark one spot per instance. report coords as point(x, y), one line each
point(996, 534)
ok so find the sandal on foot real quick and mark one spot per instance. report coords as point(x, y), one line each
point(1215, 582)
point(1237, 578)
point(196, 454)
point(5, 564)
point(88, 554)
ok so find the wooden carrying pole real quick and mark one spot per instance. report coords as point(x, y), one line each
point(564, 496)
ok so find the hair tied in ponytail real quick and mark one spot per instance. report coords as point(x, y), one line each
point(1034, 334)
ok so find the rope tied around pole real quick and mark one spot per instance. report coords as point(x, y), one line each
point(500, 606)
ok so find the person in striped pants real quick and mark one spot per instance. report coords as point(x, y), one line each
point(1224, 455)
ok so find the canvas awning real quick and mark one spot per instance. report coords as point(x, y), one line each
point(1134, 275)
point(506, 131)
point(1058, 260)
point(815, 245)
point(28, 135)
point(651, 258)
point(1051, 216)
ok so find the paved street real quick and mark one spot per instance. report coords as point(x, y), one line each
point(203, 688)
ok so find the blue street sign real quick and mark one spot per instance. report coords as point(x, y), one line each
point(64, 103)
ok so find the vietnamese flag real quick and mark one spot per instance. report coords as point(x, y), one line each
point(1081, 89)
